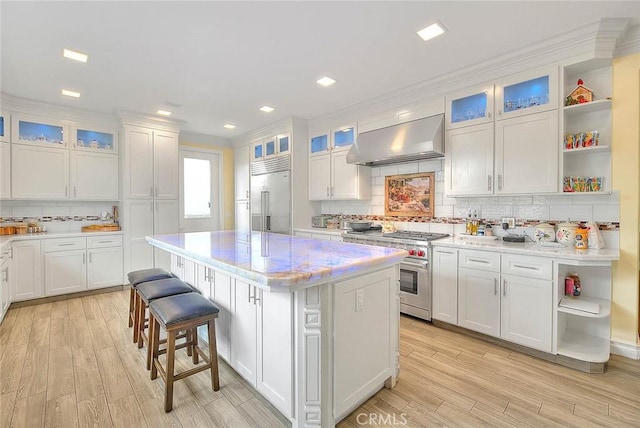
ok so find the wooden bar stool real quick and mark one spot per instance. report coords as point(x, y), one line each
point(148, 292)
point(176, 313)
point(137, 277)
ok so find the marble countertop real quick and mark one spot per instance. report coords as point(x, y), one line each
point(552, 250)
point(277, 261)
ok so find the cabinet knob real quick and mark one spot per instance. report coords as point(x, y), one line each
point(489, 182)
point(489, 114)
point(499, 112)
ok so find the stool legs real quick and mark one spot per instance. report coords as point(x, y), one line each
point(168, 381)
point(213, 355)
point(132, 296)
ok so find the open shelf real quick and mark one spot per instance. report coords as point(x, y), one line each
point(596, 105)
point(591, 149)
point(605, 308)
point(584, 347)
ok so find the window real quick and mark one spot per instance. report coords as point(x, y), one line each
point(197, 188)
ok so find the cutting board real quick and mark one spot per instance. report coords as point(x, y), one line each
point(101, 228)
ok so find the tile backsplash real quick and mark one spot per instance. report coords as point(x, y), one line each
point(57, 216)
point(587, 207)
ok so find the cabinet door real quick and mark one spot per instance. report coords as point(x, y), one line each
point(275, 349)
point(444, 271)
point(243, 221)
point(165, 164)
point(65, 272)
point(257, 151)
point(165, 221)
point(320, 177)
point(469, 160)
point(138, 162)
point(525, 93)
point(319, 144)
point(177, 266)
point(244, 331)
point(283, 144)
point(190, 273)
point(5, 286)
point(94, 139)
point(27, 271)
point(39, 173)
point(527, 154)
point(243, 191)
point(469, 107)
point(94, 176)
point(527, 311)
point(343, 138)
point(270, 149)
point(345, 177)
point(39, 131)
point(5, 127)
point(105, 267)
point(479, 301)
point(138, 224)
point(221, 294)
point(5, 172)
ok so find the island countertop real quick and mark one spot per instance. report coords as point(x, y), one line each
point(277, 261)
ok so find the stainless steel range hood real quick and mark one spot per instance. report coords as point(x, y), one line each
point(411, 141)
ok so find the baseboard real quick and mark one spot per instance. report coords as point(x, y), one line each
point(50, 299)
point(625, 350)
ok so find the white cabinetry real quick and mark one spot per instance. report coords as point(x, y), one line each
point(330, 176)
point(221, 293)
point(94, 176)
point(39, 172)
point(65, 271)
point(479, 300)
point(271, 147)
point(104, 268)
point(243, 220)
point(5, 285)
point(5, 173)
point(242, 187)
point(469, 160)
point(444, 271)
point(244, 332)
point(26, 282)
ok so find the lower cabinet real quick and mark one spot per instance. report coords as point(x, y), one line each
point(244, 332)
point(222, 296)
point(26, 282)
point(105, 267)
point(5, 276)
point(479, 301)
point(444, 271)
point(65, 272)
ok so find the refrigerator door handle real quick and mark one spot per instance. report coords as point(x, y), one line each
point(268, 223)
point(264, 200)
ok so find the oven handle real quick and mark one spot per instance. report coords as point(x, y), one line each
point(421, 265)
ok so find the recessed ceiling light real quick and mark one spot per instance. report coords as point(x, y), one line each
point(229, 126)
point(70, 93)
point(77, 56)
point(267, 109)
point(163, 113)
point(326, 81)
point(431, 31)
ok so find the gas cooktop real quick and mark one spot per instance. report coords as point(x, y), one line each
point(408, 237)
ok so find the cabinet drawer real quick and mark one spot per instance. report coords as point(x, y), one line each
point(482, 260)
point(104, 241)
point(532, 267)
point(64, 244)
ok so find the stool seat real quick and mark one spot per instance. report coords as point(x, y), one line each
point(153, 290)
point(145, 275)
point(183, 307)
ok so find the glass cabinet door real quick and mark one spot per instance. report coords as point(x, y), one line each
point(257, 151)
point(4, 127)
point(90, 139)
point(469, 107)
point(35, 131)
point(283, 144)
point(269, 148)
point(344, 138)
point(527, 93)
point(319, 144)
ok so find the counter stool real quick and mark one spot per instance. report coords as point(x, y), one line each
point(173, 314)
point(138, 277)
point(148, 292)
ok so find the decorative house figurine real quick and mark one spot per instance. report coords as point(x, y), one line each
point(581, 94)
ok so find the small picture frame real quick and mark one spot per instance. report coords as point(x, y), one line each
point(409, 195)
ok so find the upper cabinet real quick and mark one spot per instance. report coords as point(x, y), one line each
point(39, 131)
point(243, 191)
point(330, 176)
point(5, 170)
point(526, 93)
point(94, 176)
point(39, 172)
point(469, 107)
point(94, 138)
point(5, 127)
point(271, 147)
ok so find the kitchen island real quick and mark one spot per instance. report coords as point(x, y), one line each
point(311, 324)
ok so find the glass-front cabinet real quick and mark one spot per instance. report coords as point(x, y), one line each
point(283, 143)
point(92, 138)
point(319, 144)
point(525, 93)
point(469, 107)
point(257, 151)
point(38, 131)
point(343, 137)
point(269, 147)
point(5, 122)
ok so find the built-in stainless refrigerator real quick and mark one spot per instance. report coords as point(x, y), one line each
point(271, 195)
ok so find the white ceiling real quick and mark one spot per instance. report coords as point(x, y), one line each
point(213, 63)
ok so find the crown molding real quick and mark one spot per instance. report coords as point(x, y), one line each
point(593, 40)
point(279, 127)
point(630, 44)
point(141, 119)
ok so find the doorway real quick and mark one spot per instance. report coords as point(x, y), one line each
point(200, 194)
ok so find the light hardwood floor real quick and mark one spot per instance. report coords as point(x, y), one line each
point(72, 363)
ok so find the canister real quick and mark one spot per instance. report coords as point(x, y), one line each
point(582, 239)
point(566, 233)
point(544, 233)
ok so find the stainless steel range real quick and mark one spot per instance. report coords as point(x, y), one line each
point(415, 278)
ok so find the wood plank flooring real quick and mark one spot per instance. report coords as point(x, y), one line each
point(71, 363)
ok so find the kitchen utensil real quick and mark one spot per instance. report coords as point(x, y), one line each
point(566, 233)
point(544, 232)
point(360, 226)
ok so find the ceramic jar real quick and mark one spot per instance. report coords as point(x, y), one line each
point(566, 233)
point(544, 232)
point(582, 239)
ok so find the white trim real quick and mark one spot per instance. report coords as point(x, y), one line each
point(625, 350)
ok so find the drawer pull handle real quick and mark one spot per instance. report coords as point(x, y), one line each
point(445, 252)
point(504, 287)
point(65, 245)
point(526, 267)
point(495, 287)
point(105, 242)
point(479, 261)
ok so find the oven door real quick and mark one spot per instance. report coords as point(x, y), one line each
point(415, 293)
